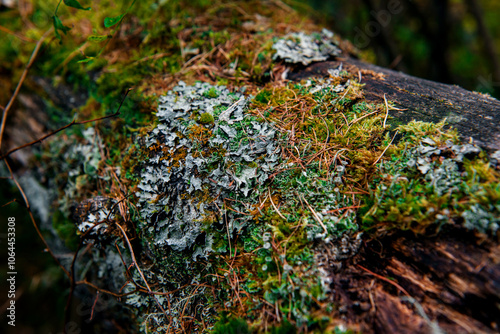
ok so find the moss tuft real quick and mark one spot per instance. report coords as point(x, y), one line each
point(230, 325)
point(206, 118)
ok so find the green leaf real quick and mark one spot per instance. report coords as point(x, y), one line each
point(75, 4)
point(97, 38)
point(59, 26)
point(86, 60)
point(111, 21)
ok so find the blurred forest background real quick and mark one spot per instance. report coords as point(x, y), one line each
point(450, 41)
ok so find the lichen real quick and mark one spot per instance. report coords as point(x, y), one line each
point(434, 181)
point(176, 195)
point(300, 48)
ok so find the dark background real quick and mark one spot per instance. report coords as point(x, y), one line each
point(449, 41)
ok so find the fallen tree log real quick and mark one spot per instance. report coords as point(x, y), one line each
point(406, 284)
point(308, 206)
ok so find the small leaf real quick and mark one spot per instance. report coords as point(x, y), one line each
point(111, 21)
point(59, 26)
point(75, 4)
point(97, 38)
point(86, 60)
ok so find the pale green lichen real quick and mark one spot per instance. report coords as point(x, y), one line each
point(304, 49)
point(429, 183)
point(193, 170)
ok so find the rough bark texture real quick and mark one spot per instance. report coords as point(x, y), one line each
point(454, 278)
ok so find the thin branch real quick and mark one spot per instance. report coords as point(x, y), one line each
point(274, 206)
point(111, 293)
point(33, 220)
point(93, 306)
point(387, 110)
point(39, 140)
point(132, 254)
point(315, 215)
point(20, 83)
point(72, 272)
point(399, 287)
point(380, 157)
point(21, 37)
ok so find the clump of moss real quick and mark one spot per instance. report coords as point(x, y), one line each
point(230, 325)
point(206, 118)
point(212, 93)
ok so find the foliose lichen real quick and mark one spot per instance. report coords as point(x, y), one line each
point(195, 167)
point(304, 49)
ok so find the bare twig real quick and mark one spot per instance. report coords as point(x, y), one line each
point(274, 206)
point(20, 83)
point(344, 208)
point(13, 178)
point(399, 287)
point(21, 37)
point(93, 306)
point(39, 140)
point(132, 254)
point(387, 107)
point(315, 215)
point(387, 110)
point(111, 293)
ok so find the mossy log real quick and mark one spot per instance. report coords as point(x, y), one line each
point(246, 193)
point(455, 275)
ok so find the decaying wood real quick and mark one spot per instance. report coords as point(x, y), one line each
point(453, 277)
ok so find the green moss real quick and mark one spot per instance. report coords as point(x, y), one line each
point(423, 187)
point(211, 93)
point(230, 325)
point(285, 328)
point(264, 96)
point(206, 118)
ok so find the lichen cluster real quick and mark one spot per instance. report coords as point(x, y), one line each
point(301, 48)
point(219, 185)
point(270, 192)
point(204, 152)
point(245, 204)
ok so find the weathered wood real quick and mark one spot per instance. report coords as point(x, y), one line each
point(454, 277)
